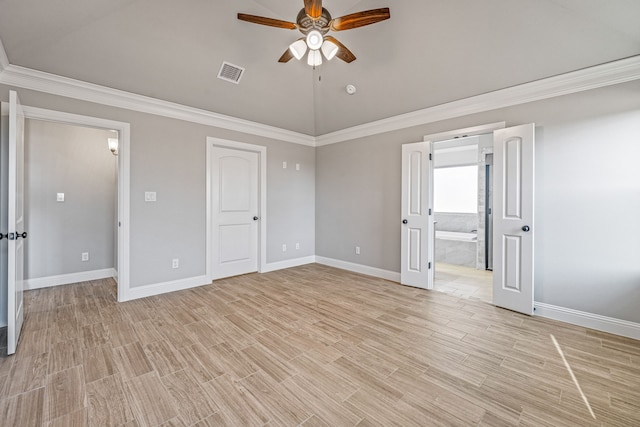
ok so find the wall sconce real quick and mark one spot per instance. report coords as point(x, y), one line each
point(113, 145)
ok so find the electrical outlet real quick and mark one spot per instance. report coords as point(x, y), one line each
point(357, 250)
point(60, 197)
point(85, 256)
point(150, 196)
point(284, 247)
point(175, 263)
point(297, 246)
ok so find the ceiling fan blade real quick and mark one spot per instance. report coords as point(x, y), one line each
point(267, 21)
point(360, 19)
point(343, 53)
point(313, 8)
point(286, 56)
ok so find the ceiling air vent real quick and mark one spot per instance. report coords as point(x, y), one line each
point(231, 73)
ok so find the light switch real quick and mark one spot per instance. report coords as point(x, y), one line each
point(150, 196)
point(60, 197)
point(284, 165)
point(297, 166)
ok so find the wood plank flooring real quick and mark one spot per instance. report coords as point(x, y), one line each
point(307, 346)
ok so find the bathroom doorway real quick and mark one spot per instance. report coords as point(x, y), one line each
point(462, 192)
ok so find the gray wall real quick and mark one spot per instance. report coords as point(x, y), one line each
point(587, 189)
point(76, 161)
point(587, 197)
point(168, 157)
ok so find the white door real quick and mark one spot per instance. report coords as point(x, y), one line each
point(513, 225)
point(417, 223)
point(235, 213)
point(16, 231)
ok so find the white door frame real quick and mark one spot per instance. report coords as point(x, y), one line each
point(444, 136)
point(124, 132)
point(262, 200)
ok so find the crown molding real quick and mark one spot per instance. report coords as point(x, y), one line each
point(26, 78)
point(611, 73)
point(4, 60)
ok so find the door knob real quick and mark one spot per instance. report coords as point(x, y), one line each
point(255, 218)
point(404, 221)
point(525, 228)
point(16, 236)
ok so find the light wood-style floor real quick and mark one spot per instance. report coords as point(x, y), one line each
point(311, 346)
point(464, 282)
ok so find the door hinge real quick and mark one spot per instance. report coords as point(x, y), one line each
point(430, 158)
point(429, 266)
point(429, 211)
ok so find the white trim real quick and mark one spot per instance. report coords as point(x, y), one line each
point(289, 263)
point(588, 320)
point(611, 73)
point(27, 78)
point(262, 152)
point(359, 268)
point(123, 178)
point(165, 287)
point(4, 61)
point(65, 279)
point(467, 132)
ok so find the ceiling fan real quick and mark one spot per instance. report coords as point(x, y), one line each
point(314, 21)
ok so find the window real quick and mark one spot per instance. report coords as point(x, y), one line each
point(456, 189)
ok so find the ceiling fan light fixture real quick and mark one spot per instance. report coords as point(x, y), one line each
point(314, 58)
point(298, 49)
point(314, 39)
point(329, 49)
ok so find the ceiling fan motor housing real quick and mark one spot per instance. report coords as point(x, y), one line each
point(307, 23)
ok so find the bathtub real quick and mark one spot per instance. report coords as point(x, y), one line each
point(456, 236)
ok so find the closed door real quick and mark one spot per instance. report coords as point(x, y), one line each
point(417, 223)
point(513, 222)
point(235, 212)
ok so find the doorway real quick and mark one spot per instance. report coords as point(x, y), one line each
point(70, 200)
point(460, 194)
point(513, 226)
point(123, 132)
point(12, 284)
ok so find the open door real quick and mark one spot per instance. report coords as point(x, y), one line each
point(417, 224)
point(513, 225)
point(16, 233)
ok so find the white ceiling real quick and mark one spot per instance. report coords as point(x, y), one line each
point(430, 52)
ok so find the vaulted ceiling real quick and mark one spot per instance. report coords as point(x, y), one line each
point(430, 52)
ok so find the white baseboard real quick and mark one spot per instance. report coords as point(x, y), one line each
point(359, 268)
point(65, 279)
point(588, 320)
point(289, 263)
point(163, 288)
